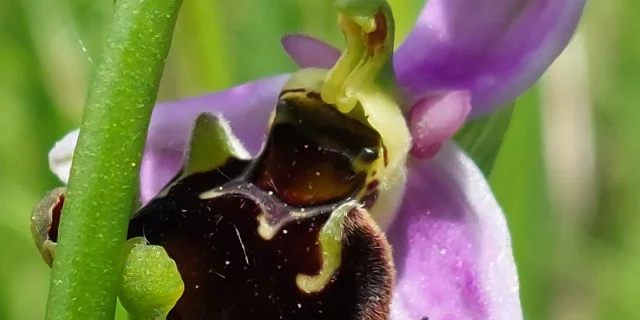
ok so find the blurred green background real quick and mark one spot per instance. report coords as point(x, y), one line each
point(566, 174)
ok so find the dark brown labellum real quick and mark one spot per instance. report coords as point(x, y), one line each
point(241, 234)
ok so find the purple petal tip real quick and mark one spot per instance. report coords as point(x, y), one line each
point(309, 52)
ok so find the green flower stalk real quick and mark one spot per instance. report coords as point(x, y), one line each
point(88, 267)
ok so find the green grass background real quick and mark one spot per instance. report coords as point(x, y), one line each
point(586, 270)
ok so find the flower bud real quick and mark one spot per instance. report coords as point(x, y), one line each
point(151, 283)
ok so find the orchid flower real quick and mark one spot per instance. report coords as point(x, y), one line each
point(357, 204)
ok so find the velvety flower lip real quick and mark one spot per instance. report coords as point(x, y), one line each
point(242, 242)
point(452, 246)
point(495, 49)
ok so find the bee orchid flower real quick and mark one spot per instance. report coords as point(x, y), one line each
point(335, 192)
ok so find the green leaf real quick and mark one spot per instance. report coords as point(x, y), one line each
point(482, 138)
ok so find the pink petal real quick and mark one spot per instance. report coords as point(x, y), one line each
point(436, 118)
point(452, 246)
point(309, 52)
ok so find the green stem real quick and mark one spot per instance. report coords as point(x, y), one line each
point(89, 258)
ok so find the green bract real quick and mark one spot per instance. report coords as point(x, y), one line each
point(151, 283)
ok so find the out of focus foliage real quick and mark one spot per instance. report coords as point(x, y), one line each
point(567, 175)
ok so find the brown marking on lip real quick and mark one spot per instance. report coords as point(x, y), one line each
point(369, 199)
point(375, 40)
point(314, 95)
point(373, 185)
point(386, 156)
point(309, 154)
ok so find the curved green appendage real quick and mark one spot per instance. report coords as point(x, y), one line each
point(330, 239)
point(366, 64)
point(212, 143)
point(362, 82)
point(151, 283)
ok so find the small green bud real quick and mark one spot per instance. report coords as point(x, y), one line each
point(151, 282)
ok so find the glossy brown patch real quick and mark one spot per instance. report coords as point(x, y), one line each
point(376, 39)
point(302, 173)
point(308, 158)
point(314, 95)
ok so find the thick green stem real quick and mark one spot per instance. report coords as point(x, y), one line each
point(87, 270)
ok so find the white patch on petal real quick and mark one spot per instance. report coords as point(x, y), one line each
point(61, 155)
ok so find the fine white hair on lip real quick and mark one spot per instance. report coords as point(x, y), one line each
point(239, 149)
point(61, 155)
